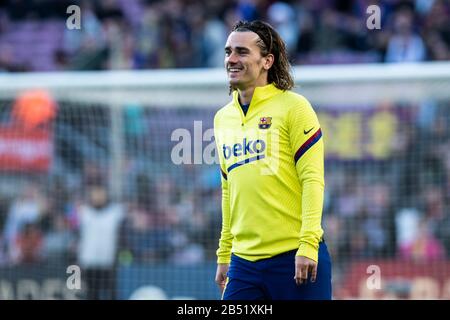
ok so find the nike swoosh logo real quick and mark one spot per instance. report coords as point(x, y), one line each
point(306, 132)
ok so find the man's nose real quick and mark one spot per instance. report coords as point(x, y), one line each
point(232, 58)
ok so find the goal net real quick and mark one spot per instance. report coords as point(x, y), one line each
point(110, 188)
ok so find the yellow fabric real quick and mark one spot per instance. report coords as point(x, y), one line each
point(271, 203)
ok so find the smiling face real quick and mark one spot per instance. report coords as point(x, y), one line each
point(245, 66)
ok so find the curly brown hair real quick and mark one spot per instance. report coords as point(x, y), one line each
point(270, 42)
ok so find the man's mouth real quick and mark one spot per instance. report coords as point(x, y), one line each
point(234, 70)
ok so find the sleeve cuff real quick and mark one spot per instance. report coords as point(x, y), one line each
point(309, 251)
point(224, 259)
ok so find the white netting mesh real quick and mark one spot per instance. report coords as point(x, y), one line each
point(387, 204)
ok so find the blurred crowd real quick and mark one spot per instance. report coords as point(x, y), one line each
point(142, 34)
point(53, 218)
point(396, 208)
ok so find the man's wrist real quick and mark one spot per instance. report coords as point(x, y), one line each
point(309, 251)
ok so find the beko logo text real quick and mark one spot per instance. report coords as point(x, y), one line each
point(246, 147)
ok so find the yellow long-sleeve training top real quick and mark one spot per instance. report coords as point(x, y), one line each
point(272, 163)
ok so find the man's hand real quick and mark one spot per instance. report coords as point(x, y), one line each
point(304, 267)
point(221, 275)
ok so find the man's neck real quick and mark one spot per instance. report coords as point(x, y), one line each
point(246, 95)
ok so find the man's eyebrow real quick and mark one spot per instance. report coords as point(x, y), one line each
point(238, 48)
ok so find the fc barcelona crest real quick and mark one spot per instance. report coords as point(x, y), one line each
point(265, 122)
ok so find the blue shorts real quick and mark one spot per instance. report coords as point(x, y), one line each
point(273, 279)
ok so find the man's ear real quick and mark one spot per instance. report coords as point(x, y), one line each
point(269, 59)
